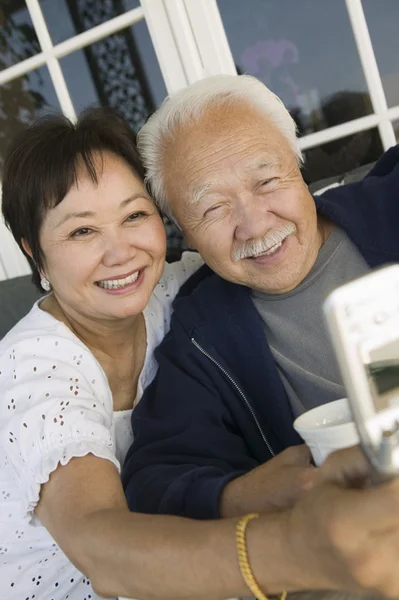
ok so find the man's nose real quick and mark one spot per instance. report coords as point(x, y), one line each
point(118, 249)
point(253, 218)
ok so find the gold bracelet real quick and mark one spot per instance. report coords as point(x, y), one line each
point(242, 554)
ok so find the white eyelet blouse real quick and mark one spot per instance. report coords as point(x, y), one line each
point(56, 404)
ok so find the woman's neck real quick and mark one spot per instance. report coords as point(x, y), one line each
point(110, 338)
point(119, 346)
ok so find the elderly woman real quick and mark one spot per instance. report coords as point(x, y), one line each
point(72, 370)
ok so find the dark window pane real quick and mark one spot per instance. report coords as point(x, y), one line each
point(66, 18)
point(21, 101)
point(120, 71)
point(18, 39)
point(305, 52)
point(341, 156)
point(382, 20)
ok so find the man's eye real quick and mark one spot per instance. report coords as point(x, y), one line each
point(81, 232)
point(212, 209)
point(267, 182)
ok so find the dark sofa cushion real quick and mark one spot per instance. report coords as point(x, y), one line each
point(350, 177)
point(17, 297)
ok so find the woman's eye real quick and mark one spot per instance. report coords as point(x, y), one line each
point(136, 216)
point(81, 232)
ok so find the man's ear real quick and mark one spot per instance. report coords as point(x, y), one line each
point(26, 247)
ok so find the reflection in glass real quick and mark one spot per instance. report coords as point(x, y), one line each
point(305, 52)
point(382, 20)
point(341, 156)
point(18, 39)
point(22, 101)
point(66, 18)
point(120, 71)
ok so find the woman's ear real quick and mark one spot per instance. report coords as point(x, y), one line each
point(26, 247)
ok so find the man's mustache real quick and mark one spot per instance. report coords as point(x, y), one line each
point(255, 247)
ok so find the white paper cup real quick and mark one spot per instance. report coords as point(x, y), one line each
point(327, 428)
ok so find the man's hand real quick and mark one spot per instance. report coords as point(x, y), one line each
point(275, 485)
point(343, 535)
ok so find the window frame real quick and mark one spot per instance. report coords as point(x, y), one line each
point(190, 43)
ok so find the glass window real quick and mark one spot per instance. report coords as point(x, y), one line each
point(305, 52)
point(341, 156)
point(21, 101)
point(382, 20)
point(119, 71)
point(66, 18)
point(396, 130)
point(18, 39)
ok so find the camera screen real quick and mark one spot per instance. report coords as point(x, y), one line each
point(382, 367)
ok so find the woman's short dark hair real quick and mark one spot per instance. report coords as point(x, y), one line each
point(42, 165)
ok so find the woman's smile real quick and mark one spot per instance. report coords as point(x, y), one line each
point(122, 284)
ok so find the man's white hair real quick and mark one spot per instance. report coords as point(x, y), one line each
point(188, 105)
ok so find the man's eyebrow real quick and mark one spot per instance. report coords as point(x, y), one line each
point(87, 213)
point(199, 192)
point(266, 163)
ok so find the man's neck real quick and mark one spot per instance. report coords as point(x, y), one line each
point(324, 227)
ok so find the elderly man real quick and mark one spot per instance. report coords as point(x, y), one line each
point(248, 350)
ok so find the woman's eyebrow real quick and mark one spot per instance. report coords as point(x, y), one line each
point(87, 213)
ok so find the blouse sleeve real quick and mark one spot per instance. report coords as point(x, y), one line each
point(177, 273)
point(56, 405)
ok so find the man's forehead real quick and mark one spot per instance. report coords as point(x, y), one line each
point(204, 148)
point(257, 144)
point(212, 178)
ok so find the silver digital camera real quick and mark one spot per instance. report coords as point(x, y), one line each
point(363, 321)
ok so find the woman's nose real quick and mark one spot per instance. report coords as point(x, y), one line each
point(118, 249)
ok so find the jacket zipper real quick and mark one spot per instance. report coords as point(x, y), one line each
point(239, 390)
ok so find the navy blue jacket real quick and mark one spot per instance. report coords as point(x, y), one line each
point(218, 407)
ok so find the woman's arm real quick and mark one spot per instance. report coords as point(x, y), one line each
point(135, 555)
point(334, 538)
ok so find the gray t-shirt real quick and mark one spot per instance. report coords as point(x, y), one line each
point(295, 328)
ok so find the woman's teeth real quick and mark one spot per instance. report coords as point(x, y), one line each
point(270, 251)
point(116, 284)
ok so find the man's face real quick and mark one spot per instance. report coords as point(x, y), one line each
point(236, 190)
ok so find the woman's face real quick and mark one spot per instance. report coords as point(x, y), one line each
point(104, 245)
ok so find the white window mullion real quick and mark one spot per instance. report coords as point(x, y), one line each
point(98, 32)
point(75, 43)
point(189, 40)
point(25, 66)
point(371, 72)
point(338, 131)
point(393, 113)
point(53, 65)
point(174, 42)
point(210, 35)
point(12, 262)
point(185, 40)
